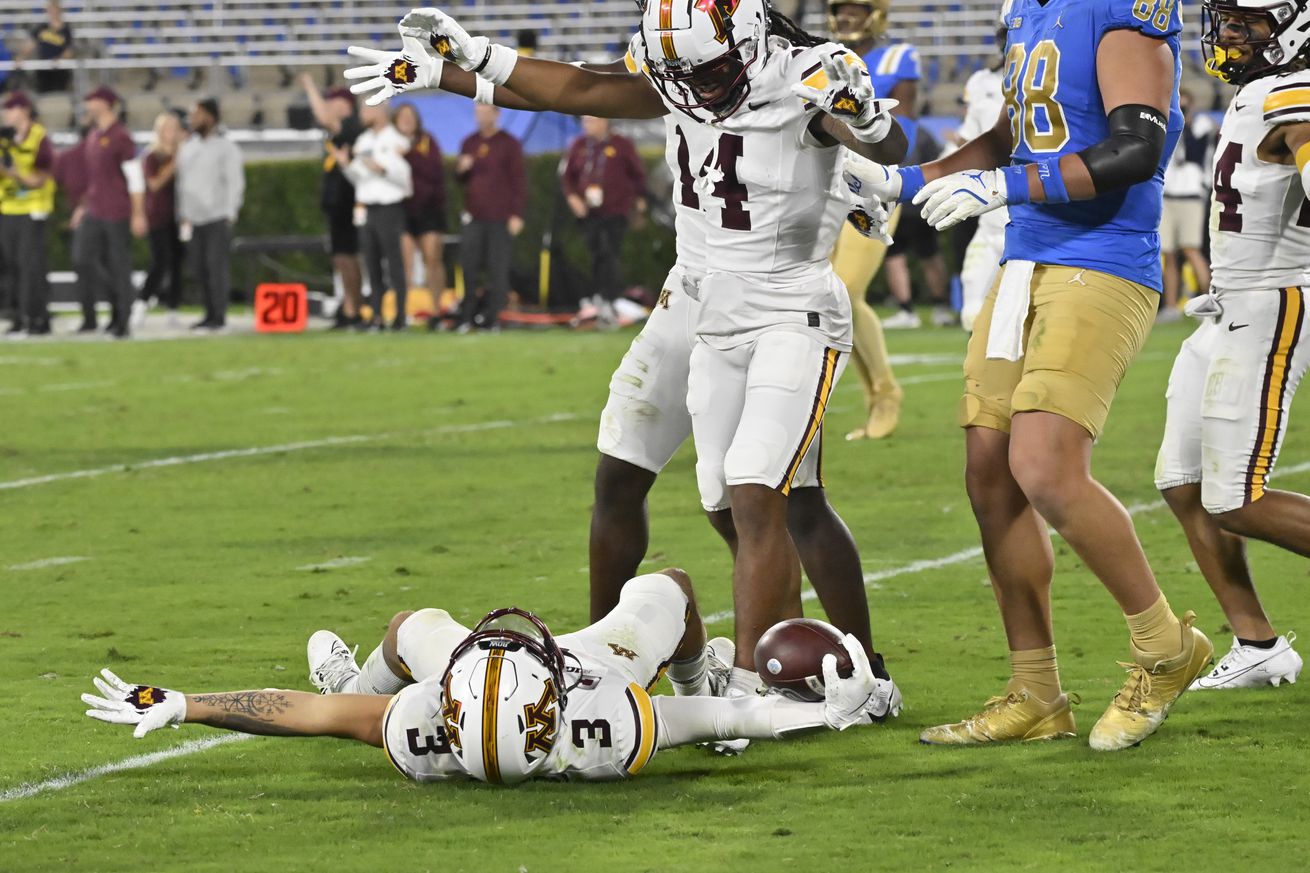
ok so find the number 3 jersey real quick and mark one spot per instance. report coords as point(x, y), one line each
point(1260, 217)
point(751, 194)
point(1054, 104)
point(608, 731)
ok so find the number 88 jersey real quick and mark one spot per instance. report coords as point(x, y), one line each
point(1053, 101)
point(1260, 217)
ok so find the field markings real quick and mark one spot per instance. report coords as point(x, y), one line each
point(284, 448)
point(48, 562)
point(136, 762)
point(336, 564)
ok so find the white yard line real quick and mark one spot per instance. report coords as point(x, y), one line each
point(304, 445)
point(47, 562)
point(336, 564)
point(136, 762)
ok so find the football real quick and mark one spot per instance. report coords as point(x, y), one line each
point(789, 657)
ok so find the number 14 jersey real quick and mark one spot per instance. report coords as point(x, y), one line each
point(1260, 217)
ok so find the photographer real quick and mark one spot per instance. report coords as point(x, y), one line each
point(27, 197)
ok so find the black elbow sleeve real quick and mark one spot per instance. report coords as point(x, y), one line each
point(1132, 151)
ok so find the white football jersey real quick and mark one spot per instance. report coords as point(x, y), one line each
point(751, 196)
point(608, 730)
point(1260, 217)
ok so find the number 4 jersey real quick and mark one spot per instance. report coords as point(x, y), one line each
point(1054, 104)
point(1260, 217)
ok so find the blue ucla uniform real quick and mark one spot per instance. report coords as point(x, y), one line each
point(1055, 108)
point(889, 65)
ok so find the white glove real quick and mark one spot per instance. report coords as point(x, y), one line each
point(1204, 306)
point(868, 215)
point(961, 196)
point(147, 707)
point(863, 177)
point(844, 700)
point(475, 54)
point(391, 73)
point(848, 96)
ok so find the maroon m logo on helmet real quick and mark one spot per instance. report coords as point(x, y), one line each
point(720, 12)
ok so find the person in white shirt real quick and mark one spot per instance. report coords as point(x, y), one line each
point(1186, 196)
point(383, 180)
point(211, 185)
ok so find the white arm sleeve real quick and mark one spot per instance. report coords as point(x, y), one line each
point(135, 176)
point(685, 720)
point(485, 93)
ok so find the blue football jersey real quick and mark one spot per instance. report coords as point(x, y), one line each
point(889, 65)
point(1055, 108)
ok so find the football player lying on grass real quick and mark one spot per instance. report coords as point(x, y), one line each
point(507, 701)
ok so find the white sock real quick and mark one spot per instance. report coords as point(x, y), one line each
point(375, 677)
point(744, 681)
point(690, 677)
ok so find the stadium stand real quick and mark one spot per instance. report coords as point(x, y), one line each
point(176, 46)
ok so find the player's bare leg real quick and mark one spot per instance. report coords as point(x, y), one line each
point(832, 561)
point(723, 525)
point(1281, 518)
point(1221, 556)
point(762, 587)
point(620, 530)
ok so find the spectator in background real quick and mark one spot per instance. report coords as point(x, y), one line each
point(211, 185)
point(604, 182)
point(1186, 198)
point(915, 236)
point(111, 212)
point(425, 210)
point(164, 281)
point(51, 40)
point(383, 182)
point(27, 197)
point(71, 181)
point(335, 113)
point(491, 169)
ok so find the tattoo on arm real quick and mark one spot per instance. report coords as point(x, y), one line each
point(251, 712)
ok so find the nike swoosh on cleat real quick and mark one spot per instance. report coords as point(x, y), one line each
point(1247, 669)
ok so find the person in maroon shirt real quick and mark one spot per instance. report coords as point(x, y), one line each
point(604, 182)
point(491, 169)
point(111, 212)
point(425, 211)
point(164, 281)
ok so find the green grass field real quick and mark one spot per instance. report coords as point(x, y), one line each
point(460, 467)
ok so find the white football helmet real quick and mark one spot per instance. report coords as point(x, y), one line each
point(1247, 39)
point(700, 52)
point(502, 697)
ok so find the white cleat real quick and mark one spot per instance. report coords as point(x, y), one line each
point(720, 652)
point(905, 319)
point(331, 662)
point(1251, 667)
point(885, 703)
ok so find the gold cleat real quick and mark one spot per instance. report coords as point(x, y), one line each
point(1017, 716)
point(1143, 702)
point(884, 416)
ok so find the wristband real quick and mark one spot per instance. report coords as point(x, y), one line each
point(911, 182)
point(1052, 180)
point(1016, 184)
point(485, 92)
point(497, 64)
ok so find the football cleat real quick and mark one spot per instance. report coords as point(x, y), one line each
point(720, 652)
point(884, 415)
point(331, 662)
point(906, 319)
point(1145, 699)
point(885, 702)
point(1016, 717)
point(1253, 667)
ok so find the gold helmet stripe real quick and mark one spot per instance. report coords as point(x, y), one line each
point(666, 25)
point(490, 709)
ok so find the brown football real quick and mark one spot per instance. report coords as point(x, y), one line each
point(789, 657)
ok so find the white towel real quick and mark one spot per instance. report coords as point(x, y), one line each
point(1005, 339)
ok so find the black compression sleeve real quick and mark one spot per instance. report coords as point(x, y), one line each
point(1132, 151)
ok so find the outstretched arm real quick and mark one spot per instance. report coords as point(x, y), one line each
point(270, 712)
